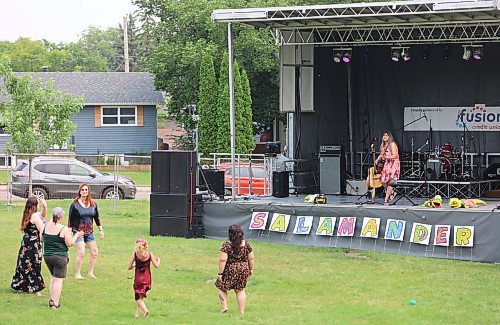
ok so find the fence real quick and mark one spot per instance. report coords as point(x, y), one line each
point(116, 177)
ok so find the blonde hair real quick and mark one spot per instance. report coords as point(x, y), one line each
point(141, 248)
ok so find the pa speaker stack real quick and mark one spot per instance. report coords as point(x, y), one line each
point(175, 208)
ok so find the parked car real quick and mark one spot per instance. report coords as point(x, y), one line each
point(242, 179)
point(54, 178)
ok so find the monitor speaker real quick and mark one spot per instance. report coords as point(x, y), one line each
point(214, 179)
point(281, 186)
point(176, 227)
point(493, 171)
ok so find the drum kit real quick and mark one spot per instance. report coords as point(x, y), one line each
point(444, 163)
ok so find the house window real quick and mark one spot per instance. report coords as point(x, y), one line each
point(119, 116)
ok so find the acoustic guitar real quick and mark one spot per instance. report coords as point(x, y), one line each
point(374, 173)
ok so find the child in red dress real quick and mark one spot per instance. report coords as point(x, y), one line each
point(141, 260)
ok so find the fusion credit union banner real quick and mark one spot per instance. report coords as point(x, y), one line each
point(477, 118)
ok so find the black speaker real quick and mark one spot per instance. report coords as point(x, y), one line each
point(173, 171)
point(175, 205)
point(493, 171)
point(215, 180)
point(160, 172)
point(177, 227)
point(281, 187)
point(183, 165)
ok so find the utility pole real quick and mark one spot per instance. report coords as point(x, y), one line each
point(125, 44)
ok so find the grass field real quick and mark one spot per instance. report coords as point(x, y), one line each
point(140, 178)
point(4, 176)
point(291, 284)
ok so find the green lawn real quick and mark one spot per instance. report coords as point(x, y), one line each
point(291, 284)
point(140, 178)
point(4, 176)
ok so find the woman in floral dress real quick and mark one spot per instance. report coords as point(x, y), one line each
point(390, 173)
point(28, 276)
point(236, 262)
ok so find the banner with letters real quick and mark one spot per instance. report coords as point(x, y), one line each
point(462, 235)
point(476, 118)
point(465, 234)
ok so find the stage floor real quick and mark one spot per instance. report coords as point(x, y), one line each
point(354, 201)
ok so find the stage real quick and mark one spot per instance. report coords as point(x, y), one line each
point(344, 222)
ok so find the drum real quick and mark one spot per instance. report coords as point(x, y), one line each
point(447, 150)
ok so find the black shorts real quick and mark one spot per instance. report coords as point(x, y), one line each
point(57, 265)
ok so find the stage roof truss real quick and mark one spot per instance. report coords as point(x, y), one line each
point(376, 23)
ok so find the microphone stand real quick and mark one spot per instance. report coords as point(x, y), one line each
point(403, 129)
point(464, 148)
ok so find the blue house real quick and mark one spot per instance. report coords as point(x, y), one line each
point(119, 115)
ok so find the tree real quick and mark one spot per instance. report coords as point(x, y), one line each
point(222, 135)
point(38, 117)
point(247, 120)
point(207, 105)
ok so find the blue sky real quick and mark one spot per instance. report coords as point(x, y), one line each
point(58, 20)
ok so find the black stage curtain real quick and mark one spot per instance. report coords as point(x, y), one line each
point(382, 88)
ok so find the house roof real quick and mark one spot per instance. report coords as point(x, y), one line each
point(105, 88)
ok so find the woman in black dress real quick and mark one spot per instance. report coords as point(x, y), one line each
point(28, 276)
point(236, 262)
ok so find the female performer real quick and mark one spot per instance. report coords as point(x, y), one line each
point(390, 173)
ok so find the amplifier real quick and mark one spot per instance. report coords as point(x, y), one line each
point(330, 150)
point(356, 187)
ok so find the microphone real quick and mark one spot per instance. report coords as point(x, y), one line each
point(425, 116)
point(374, 139)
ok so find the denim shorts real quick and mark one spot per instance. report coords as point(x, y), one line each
point(86, 238)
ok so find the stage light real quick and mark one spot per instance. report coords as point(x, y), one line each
point(478, 52)
point(446, 52)
point(467, 53)
point(337, 56)
point(395, 54)
point(405, 54)
point(425, 53)
point(347, 56)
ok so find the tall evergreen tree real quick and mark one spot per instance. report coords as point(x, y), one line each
point(207, 106)
point(222, 135)
point(238, 110)
point(247, 118)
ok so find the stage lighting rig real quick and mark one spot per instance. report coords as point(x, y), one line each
point(342, 55)
point(395, 53)
point(405, 54)
point(478, 52)
point(347, 56)
point(467, 52)
point(337, 56)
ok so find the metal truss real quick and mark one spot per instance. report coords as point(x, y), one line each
point(366, 13)
point(477, 32)
point(470, 189)
point(375, 23)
